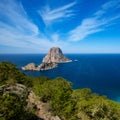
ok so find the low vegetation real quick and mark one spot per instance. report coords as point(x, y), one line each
point(68, 104)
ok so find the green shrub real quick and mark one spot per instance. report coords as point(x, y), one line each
point(11, 107)
point(9, 71)
point(68, 104)
point(94, 107)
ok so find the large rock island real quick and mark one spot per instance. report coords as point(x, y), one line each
point(50, 61)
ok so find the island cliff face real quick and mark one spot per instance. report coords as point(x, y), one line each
point(50, 61)
point(55, 55)
point(42, 66)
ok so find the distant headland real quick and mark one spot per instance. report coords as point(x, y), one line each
point(50, 61)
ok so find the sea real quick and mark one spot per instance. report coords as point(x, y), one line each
point(99, 72)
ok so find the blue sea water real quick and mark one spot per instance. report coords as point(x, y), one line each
point(99, 72)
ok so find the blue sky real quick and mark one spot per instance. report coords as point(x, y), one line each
point(76, 26)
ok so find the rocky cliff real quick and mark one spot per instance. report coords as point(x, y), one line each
point(50, 61)
point(42, 109)
point(30, 66)
point(55, 55)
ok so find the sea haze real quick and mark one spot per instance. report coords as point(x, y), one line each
point(99, 72)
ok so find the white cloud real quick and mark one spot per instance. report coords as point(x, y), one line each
point(15, 26)
point(13, 13)
point(87, 27)
point(94, 24)
point(111, 4)
point(55, 37)
point(56, 14)
point(16, 30)
point(107, 6)
point(9, 37)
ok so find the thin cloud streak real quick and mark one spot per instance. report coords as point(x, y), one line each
point(49, 16)
point(94, 24)
point(14, 13)
point(55, 37)
point(18, 26)
point(26, 41)
point(107, 6)
point(88, 26)
point(19, 31)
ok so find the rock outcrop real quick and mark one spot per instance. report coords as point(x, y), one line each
point(42, 109)
point(17, 89)
point(55, 55)
point(46, 66)
point(30, 66)
point(50, 61)
point(42, 66)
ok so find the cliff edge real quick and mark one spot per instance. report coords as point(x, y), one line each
point(55, 55)
point(50, 61)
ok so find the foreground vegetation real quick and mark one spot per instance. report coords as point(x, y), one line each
point(68, 104)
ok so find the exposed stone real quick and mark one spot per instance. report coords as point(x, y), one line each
point(55, 55)
point(50, 61)
point(18, 89)
point(43, 110)
point(30, 66)
point(46, 66)
point(42, 66)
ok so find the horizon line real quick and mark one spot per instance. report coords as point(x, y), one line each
point(63, 53)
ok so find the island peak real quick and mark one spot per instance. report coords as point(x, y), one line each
point(50, 61)
point(55, 55)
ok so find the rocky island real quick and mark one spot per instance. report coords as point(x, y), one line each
point(50, 61)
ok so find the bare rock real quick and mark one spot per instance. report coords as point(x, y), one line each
point(17, 89)
point(30, 66)
point(42, 66)
point(46, 66)
point(50, 61)
point(55, 55)
point(42, 109)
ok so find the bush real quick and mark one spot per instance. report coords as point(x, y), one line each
point(68, 104)
point(9, 71)
point(14, 107)
point(94, 107)
point(11, 107)
point(57, 93)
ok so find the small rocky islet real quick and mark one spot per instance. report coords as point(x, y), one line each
point(50, 61)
